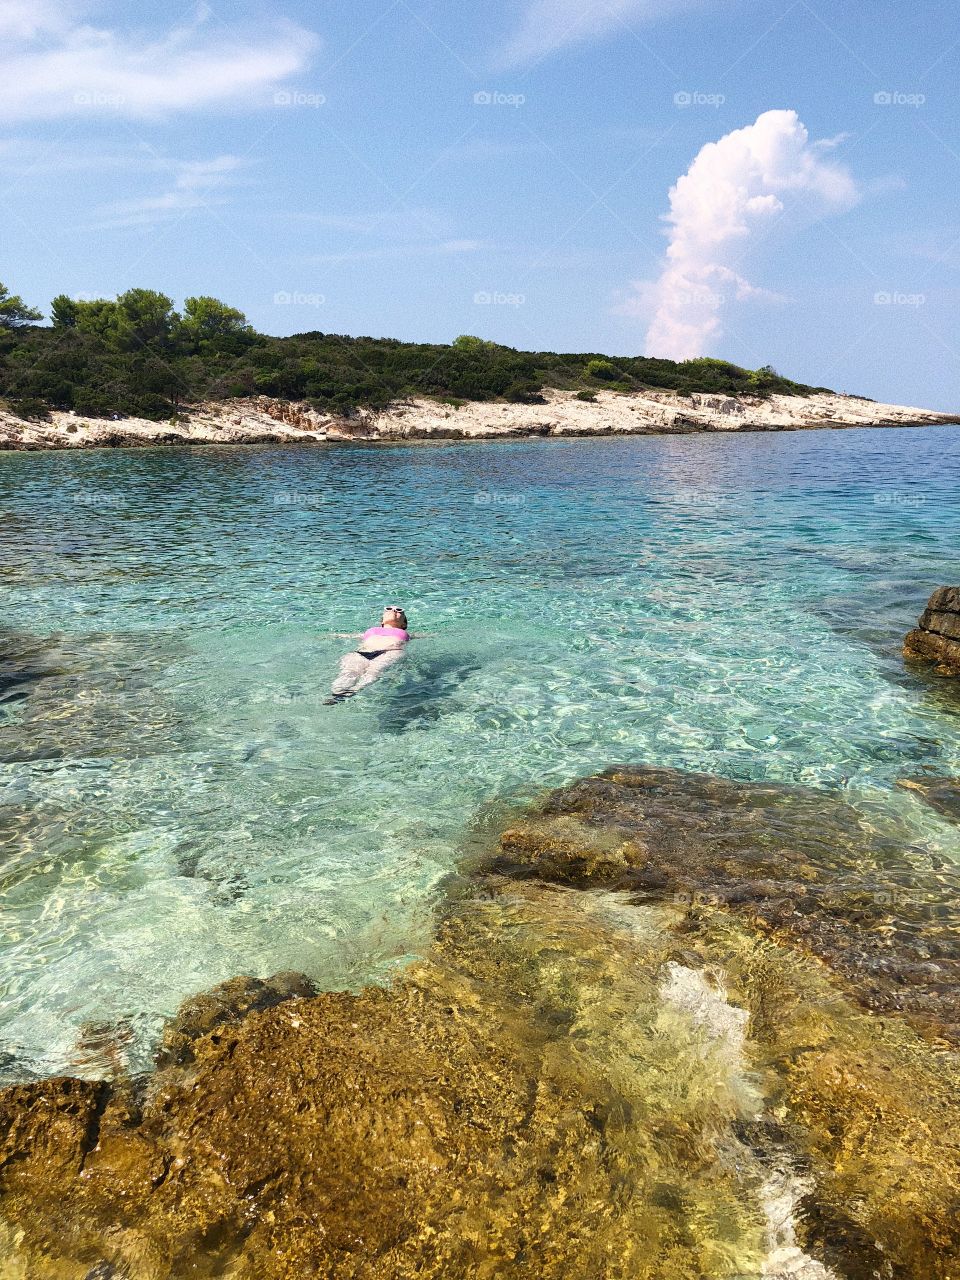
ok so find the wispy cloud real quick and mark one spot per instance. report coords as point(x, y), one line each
point(199, 175)
point(735, 189)
point(401, 224)
point(196, 184)
point(380, 235)
point(27, 19)
point(403, 252)
point(549, 25)
point(937, 245)
point(30, 157)
point(55, 64)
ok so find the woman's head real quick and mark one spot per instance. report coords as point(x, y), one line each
point(394, 617)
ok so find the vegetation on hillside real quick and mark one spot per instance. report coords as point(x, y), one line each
point(138, 355)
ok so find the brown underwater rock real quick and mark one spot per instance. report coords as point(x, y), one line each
point(942, 794)
point(227, 1003)
point(523, 1104)
point(520, 1104)
point(801, 864)
point(936, 638)
point(57, 1122)
point(573, 1082)
point(871, 1109)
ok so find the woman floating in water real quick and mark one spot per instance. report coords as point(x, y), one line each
point(380, 647)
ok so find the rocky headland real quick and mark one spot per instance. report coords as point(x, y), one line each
point(672, 1027)
point(263, 420)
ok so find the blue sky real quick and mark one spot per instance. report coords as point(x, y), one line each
point(422, 168)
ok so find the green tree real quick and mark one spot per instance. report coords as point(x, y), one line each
point(210, 323)
point(14, 312)
point(97, 317)
point(136, 355)
point(64, 311)
point(763, 379)
point(144, 318)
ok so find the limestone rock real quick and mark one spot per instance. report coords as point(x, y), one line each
point(801, 864)
point(228, 1003)
point(936, 638)
point(942, 794)
point(265, 419)
point(641, 1083)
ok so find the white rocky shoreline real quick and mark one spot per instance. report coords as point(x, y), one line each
point(263, 420)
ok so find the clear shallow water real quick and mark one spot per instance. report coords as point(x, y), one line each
point(179, 807)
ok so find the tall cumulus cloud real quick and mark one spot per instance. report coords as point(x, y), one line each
point(735, 190)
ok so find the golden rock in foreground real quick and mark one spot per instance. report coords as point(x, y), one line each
point(674, 1028)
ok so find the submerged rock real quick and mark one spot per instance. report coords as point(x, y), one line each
point(802, 864)
point(57, 1121)
point(942, 794)
point(666, 1065)
point(522, 1103)
point(225, 1004)
point(936, 638)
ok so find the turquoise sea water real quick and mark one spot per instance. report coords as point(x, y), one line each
point(179, 806)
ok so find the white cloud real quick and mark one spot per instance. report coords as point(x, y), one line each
point(391, 224)
point(193, 175)
point(734, 190)
point(196, 184)
point(831, 144)
point(27, 19)
point(549, 25)
point(29, 157)
point(55, 65)
point(391, 234)
point(401, 252)
point(149, 210)
point(32, 158)
point(885, 183)
point(939, 245)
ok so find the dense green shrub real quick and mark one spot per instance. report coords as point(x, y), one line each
point(138, 355)
point(602, 370)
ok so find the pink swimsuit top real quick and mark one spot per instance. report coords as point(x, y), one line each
point(370, 637)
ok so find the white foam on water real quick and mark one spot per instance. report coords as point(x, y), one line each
point(780, 1196)
point(701, 994)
